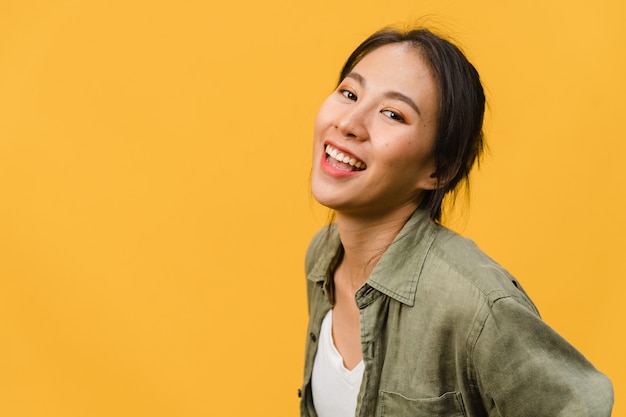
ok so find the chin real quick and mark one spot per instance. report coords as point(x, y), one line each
point(324, 196)
point(320, 196)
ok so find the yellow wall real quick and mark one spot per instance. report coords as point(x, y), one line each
point(154, 206)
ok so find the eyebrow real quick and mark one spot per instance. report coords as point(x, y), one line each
point(394, 95)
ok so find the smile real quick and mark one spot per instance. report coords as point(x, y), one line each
point(346, 160)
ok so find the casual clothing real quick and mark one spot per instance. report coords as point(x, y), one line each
point(335, 389)
point(446, 331)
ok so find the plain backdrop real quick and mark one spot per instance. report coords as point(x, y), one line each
point(154, 199)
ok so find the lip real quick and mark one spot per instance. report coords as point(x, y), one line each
point(331, 170)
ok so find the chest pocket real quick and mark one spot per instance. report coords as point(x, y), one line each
point(449, 404)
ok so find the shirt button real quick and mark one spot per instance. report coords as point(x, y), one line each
point(299, 393)
point(313, 337)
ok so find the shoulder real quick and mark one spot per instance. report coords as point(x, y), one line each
point(468, 269)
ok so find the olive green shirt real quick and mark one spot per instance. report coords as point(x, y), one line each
point(446, 331)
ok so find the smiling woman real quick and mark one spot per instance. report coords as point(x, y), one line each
point(405, 316)
point(373, 118)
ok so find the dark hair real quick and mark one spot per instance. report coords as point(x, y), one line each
point(459, 138)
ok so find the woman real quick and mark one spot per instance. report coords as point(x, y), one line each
point(407, 317)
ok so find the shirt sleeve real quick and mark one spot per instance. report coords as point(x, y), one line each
point(524, 368)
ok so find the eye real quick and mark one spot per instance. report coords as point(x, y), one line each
point(348, 94)
point(393, 115)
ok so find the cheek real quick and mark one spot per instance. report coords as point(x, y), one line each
point(410, 156)
point(325, 116)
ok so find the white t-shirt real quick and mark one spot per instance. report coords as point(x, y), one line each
point(335, 388)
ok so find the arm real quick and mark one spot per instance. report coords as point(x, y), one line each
point(524, 368)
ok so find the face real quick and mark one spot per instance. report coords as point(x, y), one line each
point(374, 135)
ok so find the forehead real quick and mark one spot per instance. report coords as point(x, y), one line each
point(399, 57)
point(398, 67)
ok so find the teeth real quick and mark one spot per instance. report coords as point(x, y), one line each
point(346, 159)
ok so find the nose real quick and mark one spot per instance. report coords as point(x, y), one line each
point(352, 123)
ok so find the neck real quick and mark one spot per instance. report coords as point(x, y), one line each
point(365, 240)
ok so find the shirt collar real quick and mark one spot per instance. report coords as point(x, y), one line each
point(398, 271)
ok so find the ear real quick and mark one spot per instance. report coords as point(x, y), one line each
point(428, 180)
point(441, 179)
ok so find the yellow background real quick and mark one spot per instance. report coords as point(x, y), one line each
point(154, 202)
